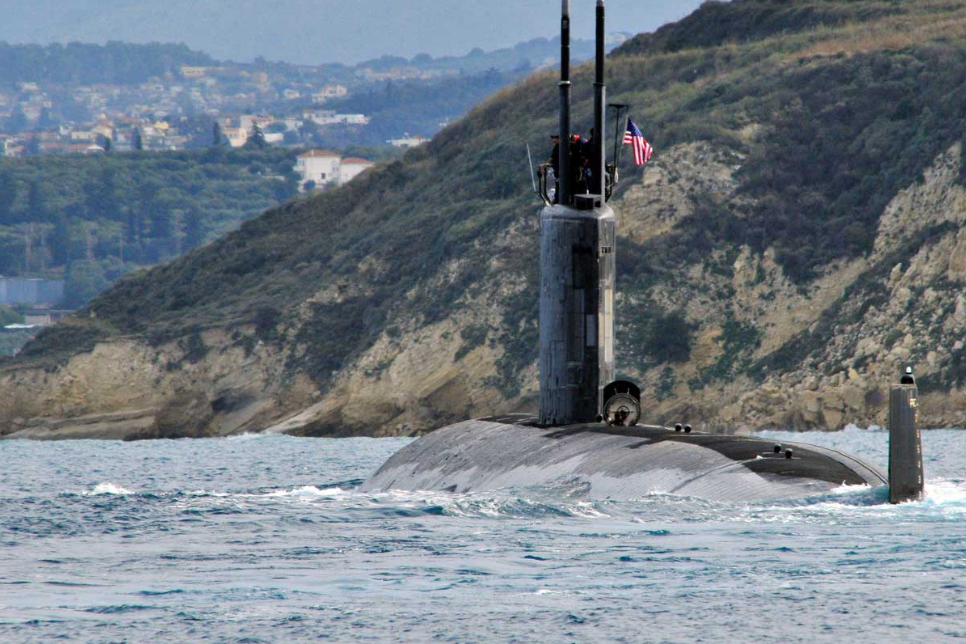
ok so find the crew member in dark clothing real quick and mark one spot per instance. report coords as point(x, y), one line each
point(579, 163)
point(555, 155)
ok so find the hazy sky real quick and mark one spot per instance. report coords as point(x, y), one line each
point(316, 31)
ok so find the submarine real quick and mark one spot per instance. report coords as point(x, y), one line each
point(587, 437)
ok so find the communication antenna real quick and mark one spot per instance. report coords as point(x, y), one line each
point(565, 193)
point(618, 142)
point(620, 107)
point(599, 162)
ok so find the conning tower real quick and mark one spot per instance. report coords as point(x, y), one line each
point(577, 265)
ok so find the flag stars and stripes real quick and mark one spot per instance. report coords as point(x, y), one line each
point(642, 149)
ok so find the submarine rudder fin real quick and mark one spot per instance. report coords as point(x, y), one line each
point(906, 475)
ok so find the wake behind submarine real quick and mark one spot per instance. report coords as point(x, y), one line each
point(586, 438)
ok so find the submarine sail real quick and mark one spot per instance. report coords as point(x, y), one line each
point(577, 267)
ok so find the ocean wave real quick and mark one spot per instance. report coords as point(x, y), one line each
point(508, 504)
point(947, 494)
point(310, 492)
point(107, 489)
point(251, 436)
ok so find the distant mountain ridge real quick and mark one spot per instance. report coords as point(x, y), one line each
point(313, 31)
point(131, 64)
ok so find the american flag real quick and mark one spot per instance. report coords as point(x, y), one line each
point(642, 149)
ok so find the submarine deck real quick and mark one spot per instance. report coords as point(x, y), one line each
point(601, 462)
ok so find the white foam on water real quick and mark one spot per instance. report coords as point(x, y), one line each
point(207, 493)
point(248, 436)
point(850, 489)
point(946, 493)
point(107, 488)
point(309, 492)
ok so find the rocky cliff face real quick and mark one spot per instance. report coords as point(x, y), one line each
point(797, 240)
point(861, 322)
point(824, 356)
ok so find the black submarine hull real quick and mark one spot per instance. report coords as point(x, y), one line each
point(619, 463)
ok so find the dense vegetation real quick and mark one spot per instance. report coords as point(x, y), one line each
point(115, 63)
point(827, 117)
point(719, 23)
point(416, 107)
point(92, 219)
point(520, 57)
point(840, 139)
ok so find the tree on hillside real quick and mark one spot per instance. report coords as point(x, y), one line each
point(101, 198)
point(147, 191)
point(47, 119)
point(256, 139)
point(217, 136)
point(18, 121)
point(138, 142)
point(194, 232)
point(84, 280)
point(8, 194)
point(37, 207)
point(32, 148)
point(36, 203)
point(59, 240)
point(162, 222)
point(133, 227)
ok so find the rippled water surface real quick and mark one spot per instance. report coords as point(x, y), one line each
point(262, 539)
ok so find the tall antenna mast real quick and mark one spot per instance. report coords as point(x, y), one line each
point(599, 162)
point(564, 162)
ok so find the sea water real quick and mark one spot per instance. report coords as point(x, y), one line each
point(264, 539)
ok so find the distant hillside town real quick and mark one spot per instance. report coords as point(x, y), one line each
point(90, 99)
point(166, 114)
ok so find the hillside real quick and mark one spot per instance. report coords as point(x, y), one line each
point(797, 239)
point(91, 219)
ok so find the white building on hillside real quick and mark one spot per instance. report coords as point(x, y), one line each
point(408, 141)
point(329, 117)
point(246, 121)
point(322, 169)
point(352, 167)
point(236, 136)
point(319, 167)
point(330, 92)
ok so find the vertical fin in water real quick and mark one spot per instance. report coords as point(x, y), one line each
point(906, 478)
